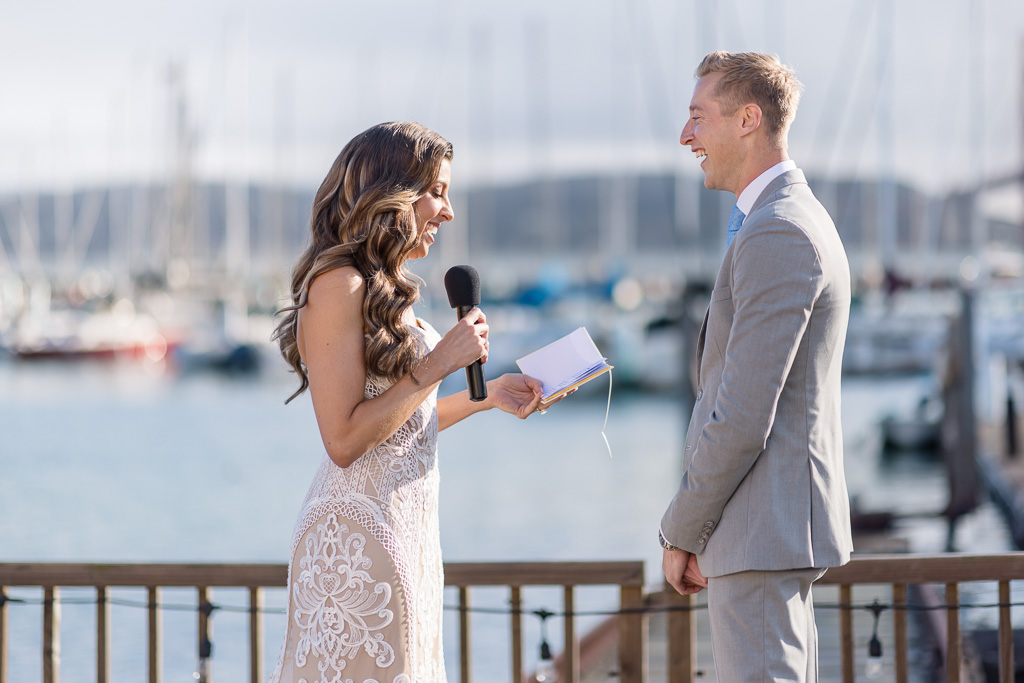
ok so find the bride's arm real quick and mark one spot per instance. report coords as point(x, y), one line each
point(458, 407)
point(512, 393)
point(333, 350)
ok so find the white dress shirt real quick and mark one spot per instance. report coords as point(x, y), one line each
point(752, 191)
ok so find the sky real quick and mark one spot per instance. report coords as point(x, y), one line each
point(929, 91)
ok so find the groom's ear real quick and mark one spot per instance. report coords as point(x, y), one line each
point(750, 119)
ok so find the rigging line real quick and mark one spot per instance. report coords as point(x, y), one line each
point(84, 227)
point(839, 91)
point(959, 118)
point(872, 100)
point(657, 99)
point(946, 120)
point(32, 250)
point(5, 260)
point(650, 65)
point(736, 22)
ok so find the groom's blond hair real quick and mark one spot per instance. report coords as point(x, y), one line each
point(759, 78)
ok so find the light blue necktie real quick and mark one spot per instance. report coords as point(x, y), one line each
point(735, 221)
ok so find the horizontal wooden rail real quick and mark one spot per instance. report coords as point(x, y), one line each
point(544, 573)
point(126, 575)
point(213, 575)
point(918, 569)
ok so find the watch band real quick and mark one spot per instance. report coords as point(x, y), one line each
point(665, 544)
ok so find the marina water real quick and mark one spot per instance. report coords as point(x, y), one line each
point(123, 462)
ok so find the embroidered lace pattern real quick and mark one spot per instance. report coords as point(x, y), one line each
point(359, 526)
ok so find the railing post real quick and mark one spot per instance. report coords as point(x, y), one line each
point(1006, 664)
point(572, 643)
point(899, 631)
point(846, 633)
point(632, 635)
point(102, 635)
point(465, 675)
point(51, 634)
point(679, 637)
point(255, 634)
point(953, 645)
point(516, 604)
point(3, 635)
point(153, 627)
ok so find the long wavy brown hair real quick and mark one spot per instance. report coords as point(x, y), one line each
point(363, 217)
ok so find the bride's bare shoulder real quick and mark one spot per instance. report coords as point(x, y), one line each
point(338, 281)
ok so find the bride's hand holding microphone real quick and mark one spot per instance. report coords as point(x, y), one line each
point(461, 346)
point(467, 341)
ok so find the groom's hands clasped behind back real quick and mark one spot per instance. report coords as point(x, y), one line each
point(682, 572)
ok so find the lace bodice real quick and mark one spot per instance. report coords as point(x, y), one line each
point(391, 485)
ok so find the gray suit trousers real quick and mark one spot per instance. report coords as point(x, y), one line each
point(752, 639)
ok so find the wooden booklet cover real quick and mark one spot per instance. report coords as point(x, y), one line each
point(565, 364)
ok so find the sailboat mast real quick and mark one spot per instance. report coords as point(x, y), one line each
point(886, 237)
point(1020, 173)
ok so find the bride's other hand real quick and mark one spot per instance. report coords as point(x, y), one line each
point(516, 394)
point(519, 395)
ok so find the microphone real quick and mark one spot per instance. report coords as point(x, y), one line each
point(463, 286)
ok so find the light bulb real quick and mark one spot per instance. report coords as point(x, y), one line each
point(546, 671)
point(873, 670)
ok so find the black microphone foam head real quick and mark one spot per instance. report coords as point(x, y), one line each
point(463, 286)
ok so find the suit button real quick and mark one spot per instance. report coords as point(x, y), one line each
point(700, 540)
point(700, 394)
point(708, 525)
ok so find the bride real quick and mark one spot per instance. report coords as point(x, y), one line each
point(365, 581)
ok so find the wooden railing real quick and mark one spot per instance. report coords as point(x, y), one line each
point(627, 576)
point(896, 571)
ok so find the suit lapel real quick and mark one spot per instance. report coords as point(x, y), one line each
point(787, 178)
point(700, 342)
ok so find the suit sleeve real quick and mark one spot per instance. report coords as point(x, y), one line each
point(775, 280)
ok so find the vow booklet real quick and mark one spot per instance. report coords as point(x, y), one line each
point(564, 364)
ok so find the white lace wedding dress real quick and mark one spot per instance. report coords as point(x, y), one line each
point(366, 581)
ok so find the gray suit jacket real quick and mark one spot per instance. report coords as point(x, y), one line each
point(763, 484)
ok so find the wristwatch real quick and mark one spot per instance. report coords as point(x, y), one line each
point(665, 544)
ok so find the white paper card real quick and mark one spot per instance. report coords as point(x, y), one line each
point(564, 362)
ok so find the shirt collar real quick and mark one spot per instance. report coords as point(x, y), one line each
point(752, 191)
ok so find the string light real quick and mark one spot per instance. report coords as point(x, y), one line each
point(546, 672)
point(202, 673)
point(654, 609)
point(873, 670)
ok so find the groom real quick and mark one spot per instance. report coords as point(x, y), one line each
point(762, 508)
